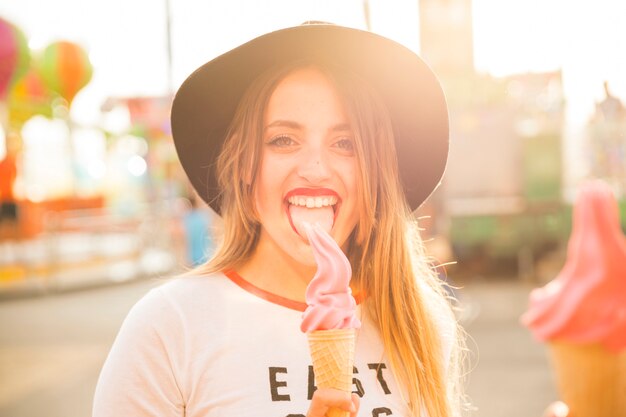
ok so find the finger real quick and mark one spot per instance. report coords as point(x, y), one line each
point(326, 398)
point(557, 409)
point(356, 402)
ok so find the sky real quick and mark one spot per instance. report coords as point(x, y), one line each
point(126, 39)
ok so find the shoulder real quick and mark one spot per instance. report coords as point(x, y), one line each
point(179, 298)
point(172, 313)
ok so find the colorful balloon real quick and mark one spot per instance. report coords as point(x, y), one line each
point(14, 56)
point(29, 97)
point(65, 69)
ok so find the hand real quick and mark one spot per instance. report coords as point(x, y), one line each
point(327, 398)
point(557, 409)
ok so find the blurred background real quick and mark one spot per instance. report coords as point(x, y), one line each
point(92, 195)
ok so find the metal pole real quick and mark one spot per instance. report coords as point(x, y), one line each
point(168, 28)
point(366, 14)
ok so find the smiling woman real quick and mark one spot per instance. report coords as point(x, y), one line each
point(314, 143)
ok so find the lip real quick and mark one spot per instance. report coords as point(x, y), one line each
point(311, 192)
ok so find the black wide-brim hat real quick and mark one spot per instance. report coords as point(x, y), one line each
point(205, 104)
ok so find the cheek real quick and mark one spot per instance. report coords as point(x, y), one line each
point(267, 190)
point(350, 179)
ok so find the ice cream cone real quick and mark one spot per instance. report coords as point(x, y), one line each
point(332, 352)
point(591, 379)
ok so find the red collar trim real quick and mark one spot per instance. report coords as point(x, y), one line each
point(271, 297)
point(266, 295)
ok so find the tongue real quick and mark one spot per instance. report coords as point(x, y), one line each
point(323, 216)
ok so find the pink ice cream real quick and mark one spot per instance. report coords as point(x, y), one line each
point(586, 302)
point(329, 297)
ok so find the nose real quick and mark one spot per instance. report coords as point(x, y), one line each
point(314, 166)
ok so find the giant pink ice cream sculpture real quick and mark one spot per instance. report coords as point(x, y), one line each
point(581, 313)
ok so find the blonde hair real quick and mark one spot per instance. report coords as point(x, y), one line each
point(404, 296)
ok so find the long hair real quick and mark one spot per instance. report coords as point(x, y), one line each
point(404, 297)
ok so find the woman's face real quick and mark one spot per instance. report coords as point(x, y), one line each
point(308, 167)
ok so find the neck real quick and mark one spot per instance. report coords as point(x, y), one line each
point(273, 270)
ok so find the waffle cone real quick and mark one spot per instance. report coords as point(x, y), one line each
point(332, 352)
point(591, 379)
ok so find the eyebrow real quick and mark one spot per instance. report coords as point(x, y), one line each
point(340, 127)
point(284, 123)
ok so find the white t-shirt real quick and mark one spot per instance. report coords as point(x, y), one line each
point(216, 346)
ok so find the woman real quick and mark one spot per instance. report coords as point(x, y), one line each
point(320, 122)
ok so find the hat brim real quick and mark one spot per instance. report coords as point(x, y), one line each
point(206, 101)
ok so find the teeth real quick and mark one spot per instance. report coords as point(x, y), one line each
point(311, 202)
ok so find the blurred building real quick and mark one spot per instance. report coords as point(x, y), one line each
point(501, 196)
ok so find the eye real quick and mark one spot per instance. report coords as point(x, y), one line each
point(281, 141)
point(345, 144)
